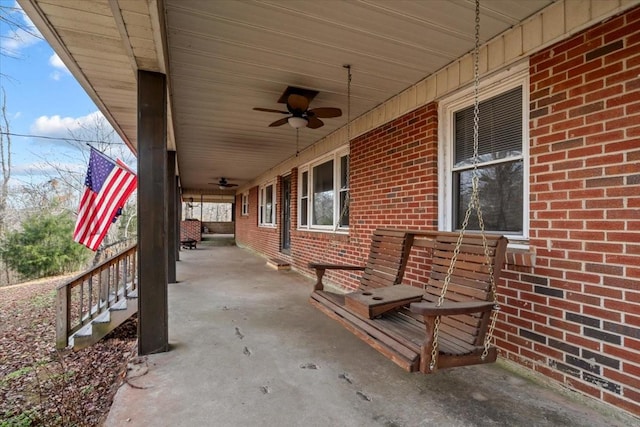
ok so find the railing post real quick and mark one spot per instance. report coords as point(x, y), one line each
point(90, 303)
point(125, 274)
point(81, 305)
point(63, 318)
point(134, 271)
point(104, 288)
point(117, 279)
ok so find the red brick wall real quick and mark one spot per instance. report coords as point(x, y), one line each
point(574, 313)
point(393, 184)
point(190, 230)
point(575, 316)
point(265, 240)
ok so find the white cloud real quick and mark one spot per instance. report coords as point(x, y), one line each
point(56, 62)
point(62, 127)
point(59, 68)
point(21, 32)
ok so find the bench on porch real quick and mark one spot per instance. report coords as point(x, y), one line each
point(398, 320)
point(188, 243)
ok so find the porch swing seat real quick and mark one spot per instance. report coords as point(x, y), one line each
point(400, 322)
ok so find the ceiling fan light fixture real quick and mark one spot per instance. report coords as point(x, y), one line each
point(297, 122)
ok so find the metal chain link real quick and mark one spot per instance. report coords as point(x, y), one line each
point(474, 202)
point(347, 199)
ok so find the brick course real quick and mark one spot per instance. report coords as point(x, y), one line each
point(570, 303)
point(190, 230)
point(592, 156)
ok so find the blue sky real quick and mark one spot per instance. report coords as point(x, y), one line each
point(42, 98)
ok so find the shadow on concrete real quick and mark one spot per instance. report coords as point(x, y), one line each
point(247, 349)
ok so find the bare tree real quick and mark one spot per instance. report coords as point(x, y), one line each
point(5, 159)
point(97, 132)
point(18, 30)
point(67, 182)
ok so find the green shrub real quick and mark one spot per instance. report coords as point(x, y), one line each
point(44, 247)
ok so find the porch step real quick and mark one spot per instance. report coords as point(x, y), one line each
point(99, 327)
point(279, 264)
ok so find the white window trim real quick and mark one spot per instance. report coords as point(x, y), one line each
point(245, 204)
point(335, 155)
point(274, 222)
point(518, 75)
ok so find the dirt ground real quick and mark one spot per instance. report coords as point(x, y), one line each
point(42, 386)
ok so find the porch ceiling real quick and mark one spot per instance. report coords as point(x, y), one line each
point(225, 57)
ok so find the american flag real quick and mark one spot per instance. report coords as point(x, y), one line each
point(108, 185)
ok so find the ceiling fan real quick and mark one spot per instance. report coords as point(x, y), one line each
point(223, 183)
point(297, 101)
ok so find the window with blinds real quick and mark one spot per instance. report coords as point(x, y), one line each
point(500, 166)
point(499, 129)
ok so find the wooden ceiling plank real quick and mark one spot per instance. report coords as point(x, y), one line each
point(140, 7)
point(100, 7)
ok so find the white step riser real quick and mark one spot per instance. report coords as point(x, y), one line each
point(102, 325)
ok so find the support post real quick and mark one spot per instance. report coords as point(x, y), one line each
point(178, 217)
point(171, 217)
point(63, 318)
point(153, 330)
point(233, 215)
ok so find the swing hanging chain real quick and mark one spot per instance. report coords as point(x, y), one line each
point(475, 189)
point(347, 198)
point(474, 202)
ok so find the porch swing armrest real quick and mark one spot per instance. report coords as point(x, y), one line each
point(321, 268)
point(449, 308)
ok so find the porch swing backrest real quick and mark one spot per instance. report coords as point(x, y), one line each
point(387, 259)
point(470, 281)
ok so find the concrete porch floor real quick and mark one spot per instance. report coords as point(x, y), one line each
point(247, 349)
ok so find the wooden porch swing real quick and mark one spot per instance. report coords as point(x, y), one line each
point(447, 323)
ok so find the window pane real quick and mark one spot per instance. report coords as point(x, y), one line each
point(344, 172)
point(261, 206)
point(500, 193)
point(499, 131)
point(343, 219)
point(268, 217)
point(343, 215)
point(304, 211)
point(323, 194)
point(305, 184)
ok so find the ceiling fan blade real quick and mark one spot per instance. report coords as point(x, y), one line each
point(297, 103)
point(279, 122)
point(314, 122)
point(270, 110)
point(325, 112)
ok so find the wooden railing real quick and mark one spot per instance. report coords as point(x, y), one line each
point(94, 292)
